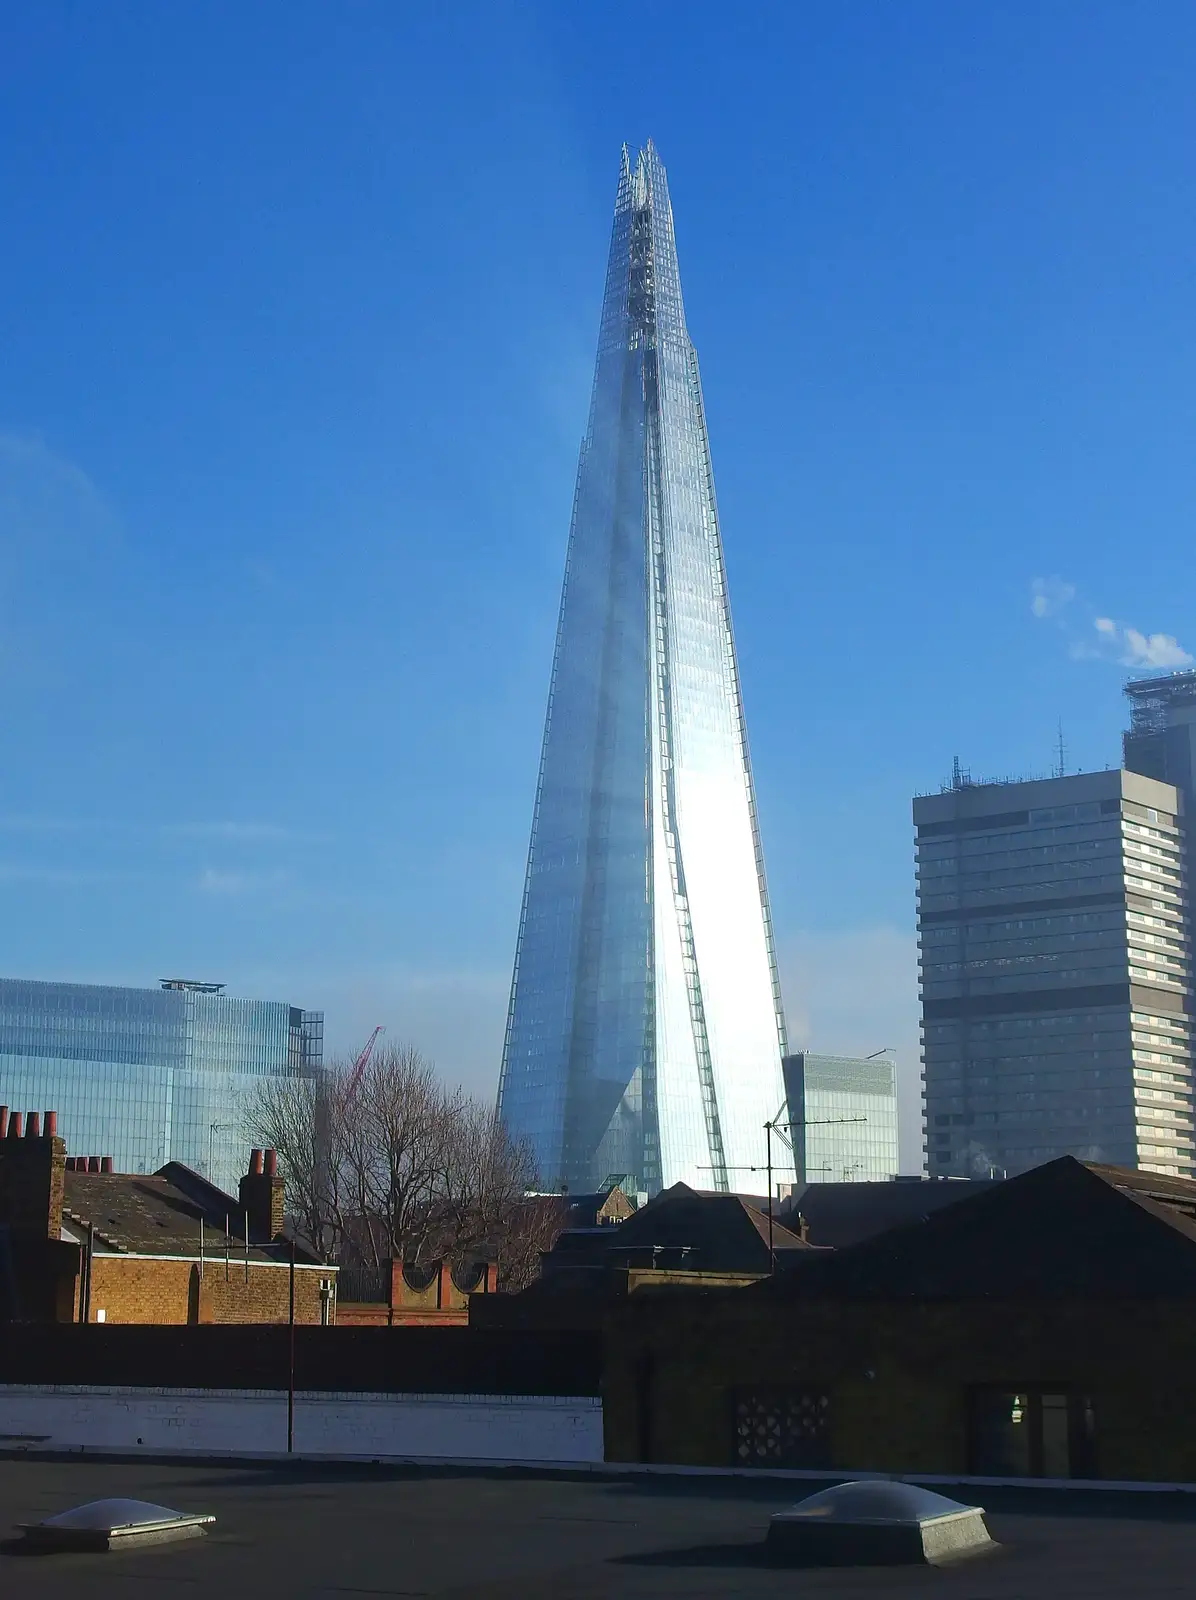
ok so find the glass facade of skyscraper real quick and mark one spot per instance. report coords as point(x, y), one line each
point(844, 1115)
point(645, 1032)
point(149, 1075)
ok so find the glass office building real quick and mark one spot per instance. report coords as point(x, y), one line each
point(645, 1032)
point(1056, 974)
point(148, 1076)
point(843, 1111)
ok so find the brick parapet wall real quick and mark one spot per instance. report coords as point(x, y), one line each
point(411, 1360)
point(162, 1292)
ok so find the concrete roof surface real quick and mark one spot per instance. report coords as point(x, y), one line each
point(306, 1530)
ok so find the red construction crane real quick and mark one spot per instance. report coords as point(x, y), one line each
point(359, 1066)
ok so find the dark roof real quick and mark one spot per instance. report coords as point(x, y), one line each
point(680, 1229)
point(1062, 1230)
point(838, 1214)
point(1178, 1193)
point(708, 1232)
point(584, 1210)
point(157, 1214)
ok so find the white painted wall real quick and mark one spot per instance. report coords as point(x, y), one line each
point(253, 1422)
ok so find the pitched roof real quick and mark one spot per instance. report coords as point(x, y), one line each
point(1062, 1230)
point(709, 1232)
point(1177, 1193)
point(839, 1214)
point(153, 1214)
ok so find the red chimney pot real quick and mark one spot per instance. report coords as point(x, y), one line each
point(51, 1124)
point(271, 1163)
point(93, 1163)
point(33, 1126)
point(105, 1163)
point(14, 1125)
point(255, 1163)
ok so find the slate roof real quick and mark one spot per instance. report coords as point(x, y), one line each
point(161, 1214)
point(1176, 1193)
point(701, 1232)
point(839, 1214)
point(1064, 1230)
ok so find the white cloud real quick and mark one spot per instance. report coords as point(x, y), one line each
point(1154, 650)
point(217, 881)
point(233, 832)
point(61, 877)
point(1115, 641)
point(1048, 596)
point(1131, 648)
point(242, 832)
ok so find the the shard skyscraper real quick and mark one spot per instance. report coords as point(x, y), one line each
point(645, 1031)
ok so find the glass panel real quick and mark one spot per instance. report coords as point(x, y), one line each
point(148, 1076)
point(644, 1034)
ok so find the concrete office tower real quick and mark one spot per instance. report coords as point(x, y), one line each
point(645, 1032)
point(148, 1076)
point(1056, 977)
point(844, 1111)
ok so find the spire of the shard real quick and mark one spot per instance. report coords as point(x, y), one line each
point(644, 1034)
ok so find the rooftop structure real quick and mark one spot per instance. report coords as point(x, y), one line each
point(1161, 739)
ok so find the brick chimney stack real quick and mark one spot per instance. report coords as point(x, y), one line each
point(32, 1168)
point(262, 1194)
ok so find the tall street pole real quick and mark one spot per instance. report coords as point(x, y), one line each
point(291, 1379)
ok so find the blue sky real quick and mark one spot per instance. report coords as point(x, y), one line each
point(299, 305)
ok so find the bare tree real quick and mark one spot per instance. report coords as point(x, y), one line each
point(533, 1227)
point(483, 1183)
point(394, 1132)
point(397, 1165)
point(293, 1116)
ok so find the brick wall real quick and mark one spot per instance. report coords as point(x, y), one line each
point(411, 1360)
point(162, 1292)
point(32, 1172)
point(897, 1376)
point(440, 1302)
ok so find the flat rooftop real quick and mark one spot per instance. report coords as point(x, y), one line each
point(297, 1530)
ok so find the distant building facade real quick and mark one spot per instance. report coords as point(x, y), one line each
point(844, 1111)
point(149, 1076)
point(1056, 975)
point(1161, 740)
